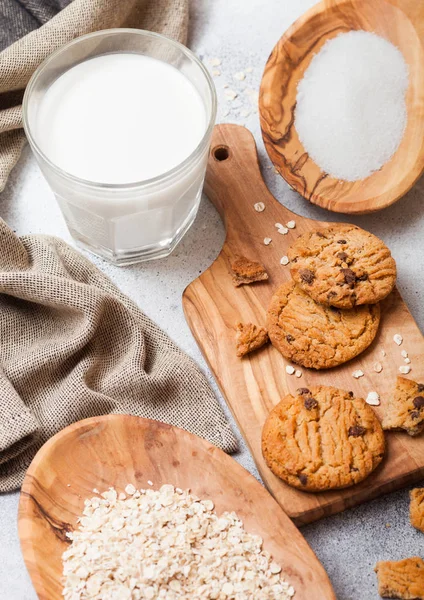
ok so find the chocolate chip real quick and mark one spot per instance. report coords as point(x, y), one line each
point(341, 241)
point(303, 391)
point(421, 387)
point(362, 277)
point(342, 256)
point(319, 234)
point(354, 469)
point(306, 275)
point(331, 294)
point(356, 431)
point(349, 276)
point(303, 479)
point(310, 403)
point(334, 309)
point(418, 402)
point(414, 414)
point(351, 394)
point(289, 338)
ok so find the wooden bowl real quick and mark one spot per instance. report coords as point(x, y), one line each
point(115, 450)
point(399, 21)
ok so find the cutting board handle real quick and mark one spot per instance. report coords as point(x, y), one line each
point(234, 183)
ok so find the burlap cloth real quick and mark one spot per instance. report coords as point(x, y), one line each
point(73, 346)
point(19, 61)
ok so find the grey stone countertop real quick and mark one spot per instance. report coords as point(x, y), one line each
point(241, 33)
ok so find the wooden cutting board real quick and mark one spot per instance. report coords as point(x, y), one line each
point(253, 385)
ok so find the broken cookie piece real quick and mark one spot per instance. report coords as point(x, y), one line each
point(405, 409)
point(403, 579)
point(250, 337)
point(247, 271)
point(416, 508)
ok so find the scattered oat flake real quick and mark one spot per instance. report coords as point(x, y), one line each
point(267, 241)
point(378, 367)
point(383, 353)
point(231, 94)
point(130, 489)
point(373, 399)
point(149, 482)
point(290, 370)
point(284, 260)
point(259, 206)
point(214, 62)
point(298, 373)
point(407, 360)
point(398, 339)
point(283, 230)
point(244, 113)
point(240, 76)
point(216, 72)
point(388, 525)
point(405, 369)
point(249, 70)
point(276, 171)
point(404, 354)
point(68, 485)
point(291, 224)
point(225, 85)
point(184, 548)
point(357, 374)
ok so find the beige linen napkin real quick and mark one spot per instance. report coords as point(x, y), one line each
point(73, 346)
point(19, 61)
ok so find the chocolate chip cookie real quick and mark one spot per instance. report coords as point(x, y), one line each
point(322, 438)
point(405, 408)
point(342, 266)
point(318, 336)
point(416, 508)
point(247, 271)
point(249, 337)
point(402, 579)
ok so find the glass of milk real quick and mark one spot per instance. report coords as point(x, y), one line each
point(120, 123)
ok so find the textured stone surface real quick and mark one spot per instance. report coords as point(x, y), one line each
point(241, 33)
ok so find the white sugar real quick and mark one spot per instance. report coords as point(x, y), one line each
point(351, 110)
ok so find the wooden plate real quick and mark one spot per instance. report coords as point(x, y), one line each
point(115, 450)
point(399, 21)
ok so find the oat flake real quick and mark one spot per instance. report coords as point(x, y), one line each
point(284, 260)
point(259, 206)
point(405, 369)
point(398, 339)
point(267, 241)
point(290, 370)
point(291, 224)
point(357, 374)
point(378, 367)
point(373, 399)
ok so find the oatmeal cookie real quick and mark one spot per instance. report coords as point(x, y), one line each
point(318, 336)
point(343, 266)
point(321, 439)
point(247, 271)
point(405, 409)
point(250, 337)
point(403, 579)
point(416, 508)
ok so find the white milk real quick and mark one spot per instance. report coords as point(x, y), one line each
point(124, 118)
point(120, 118)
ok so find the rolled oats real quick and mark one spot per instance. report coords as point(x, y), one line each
point(166, 544)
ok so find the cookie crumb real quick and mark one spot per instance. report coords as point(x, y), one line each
point(357, 374)
point(284, 260)
point(373, 399)
point(259, 206)
point(298, 373)
point(291, 224)
point(249, 337)
point(246, 271)
point(405, 369)
point(290, 370)
point(398, 339)
point(267, 241)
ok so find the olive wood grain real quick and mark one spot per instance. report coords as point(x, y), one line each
point(115, 450)
point(253, 385)
point(399, 21)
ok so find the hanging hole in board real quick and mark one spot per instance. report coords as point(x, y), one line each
point(221, 153)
